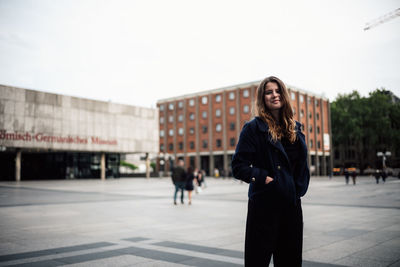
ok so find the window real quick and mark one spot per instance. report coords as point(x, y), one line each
point(218, 127)
point(161, 147)
point(191, 116)
point(218, 98)
point(218, 142)
point(205, 143)
point(171, 146)
point(232, 126)
point(246, 108)
point(180, 117)
point(311, 143)
point(301, 113)
point(204, 100)
point(302, 127)
point(161, 120)
point(246, 93)
point(204, 129)
point(180, 145)
point(180, 104)
point(317, 103)
point(309, 100)
point(180, 131)
point(171, 106)
point(161, 107)
point(293, 95)
point(204, 114)
point(310, 128)
point(318, 130)
point(319, 144)
point(171, 132)
point(231, 95)
point(309, 114)
point(191, 130)
point(161, 133)
point(231, 110)
point(170, 118)
point(232, 142)
point(191, 102)
point(317, 115)
point(191, 145)
point(294, 110)
point(218, 113)
point(301, 98)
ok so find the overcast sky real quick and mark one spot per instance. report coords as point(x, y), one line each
point(137, 52)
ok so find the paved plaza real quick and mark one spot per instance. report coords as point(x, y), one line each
point(133, 222)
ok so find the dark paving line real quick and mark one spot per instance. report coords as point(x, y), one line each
point(63, 202)
point(352, 206)
point(136, 239)
point(54, 251)
point(319, 264)
point(224, 252)
point(197, 248)
point(74, 197)
point(70, 192)
point(212, 198)
point(135, 251)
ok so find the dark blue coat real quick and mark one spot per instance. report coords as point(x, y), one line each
point(257, 157)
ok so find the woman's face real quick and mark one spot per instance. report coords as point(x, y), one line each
point(272, 96)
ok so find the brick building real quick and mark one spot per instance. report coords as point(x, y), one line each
point(203, 128)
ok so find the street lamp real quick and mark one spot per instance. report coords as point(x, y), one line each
point(384, 155)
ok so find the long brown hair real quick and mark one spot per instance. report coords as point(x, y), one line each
point(286, 128)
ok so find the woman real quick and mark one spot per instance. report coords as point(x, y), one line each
point(271, 156)
point(189, 183)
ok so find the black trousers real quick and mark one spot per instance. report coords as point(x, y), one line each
point(273, 229)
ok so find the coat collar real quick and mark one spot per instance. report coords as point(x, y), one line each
point(263, 127)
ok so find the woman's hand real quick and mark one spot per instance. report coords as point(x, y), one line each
point(268, 180)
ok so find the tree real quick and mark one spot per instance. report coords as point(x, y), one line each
point(365, 124)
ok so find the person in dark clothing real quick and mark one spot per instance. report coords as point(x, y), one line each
point(354, 177)
point(384, 175)
point(179, 180)
point(271, 156)
point(189, 183)
point(346, 175)
point(377, 176)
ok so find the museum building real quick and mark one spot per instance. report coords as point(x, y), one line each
point(51, 136)
point(203, 128)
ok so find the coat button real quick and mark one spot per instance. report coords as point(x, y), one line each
point(253, 179)
point(279, 167)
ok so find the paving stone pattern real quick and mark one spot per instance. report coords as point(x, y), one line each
point(133, 222)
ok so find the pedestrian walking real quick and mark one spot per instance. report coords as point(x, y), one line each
point(271, 156)
point(199, 180)
point(384, 175)
point(377, 176)
point(189, 183)
point(346, 175)
point(179, 179)
point(354, 177)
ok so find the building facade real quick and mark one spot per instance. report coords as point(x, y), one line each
point(203, 128)
point(51, 136)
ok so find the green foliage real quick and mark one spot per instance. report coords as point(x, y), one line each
point(369, 123)
point(153, 165)
point(129, 165)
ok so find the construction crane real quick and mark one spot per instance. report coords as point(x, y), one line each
point(382, 19)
